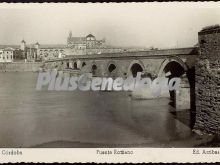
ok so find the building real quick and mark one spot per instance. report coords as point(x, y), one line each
point(18, 54)
point(75, 46)
point(87, 45)
point(87, 42)
point(31, 53)
point(38, 52)
point(27, 52)
point(7, 54)
point(47, 52)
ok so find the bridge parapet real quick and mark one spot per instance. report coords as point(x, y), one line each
point(141, 54)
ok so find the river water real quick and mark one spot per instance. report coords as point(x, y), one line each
point(30, 118)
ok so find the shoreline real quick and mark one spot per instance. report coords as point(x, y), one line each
point(199, 141)
point(20, 67)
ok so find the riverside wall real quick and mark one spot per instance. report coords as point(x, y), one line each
point(20, 67)
point(208, 82)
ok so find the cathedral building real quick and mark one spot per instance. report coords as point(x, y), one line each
point(88, 42)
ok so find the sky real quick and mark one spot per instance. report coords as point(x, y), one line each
point(161, 25)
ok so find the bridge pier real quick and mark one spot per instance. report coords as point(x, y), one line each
point(182, 99)
point(70, 64)
point(65, 65)
point(79, 64)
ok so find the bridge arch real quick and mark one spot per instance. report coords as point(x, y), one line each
point(111, 67)
point(94, 68)
point(184, 98)
point(67, 65)
point(171, 62)
point(134, 67)
point(173, 67)
point(76, 64)
point(83, 63)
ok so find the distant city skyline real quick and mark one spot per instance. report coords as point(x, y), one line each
point(134, 24)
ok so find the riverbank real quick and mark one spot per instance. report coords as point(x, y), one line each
point(194, 141)
point(20, 67)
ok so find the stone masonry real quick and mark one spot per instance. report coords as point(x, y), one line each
point(208, 81)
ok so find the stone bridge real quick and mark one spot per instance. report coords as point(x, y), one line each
point(153, 63)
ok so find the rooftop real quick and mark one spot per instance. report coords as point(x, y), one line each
point(78, 39)
point(11, 46)
point(52, 46)
point(90, 35)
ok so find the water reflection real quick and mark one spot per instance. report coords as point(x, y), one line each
point(29, 117)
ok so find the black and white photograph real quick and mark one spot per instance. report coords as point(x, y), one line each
point(110, 75)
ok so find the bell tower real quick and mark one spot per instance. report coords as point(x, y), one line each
point(23, 45)
point(70, 34)
point(69, 38)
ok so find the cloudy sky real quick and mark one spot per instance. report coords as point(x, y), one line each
point(131, 24)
